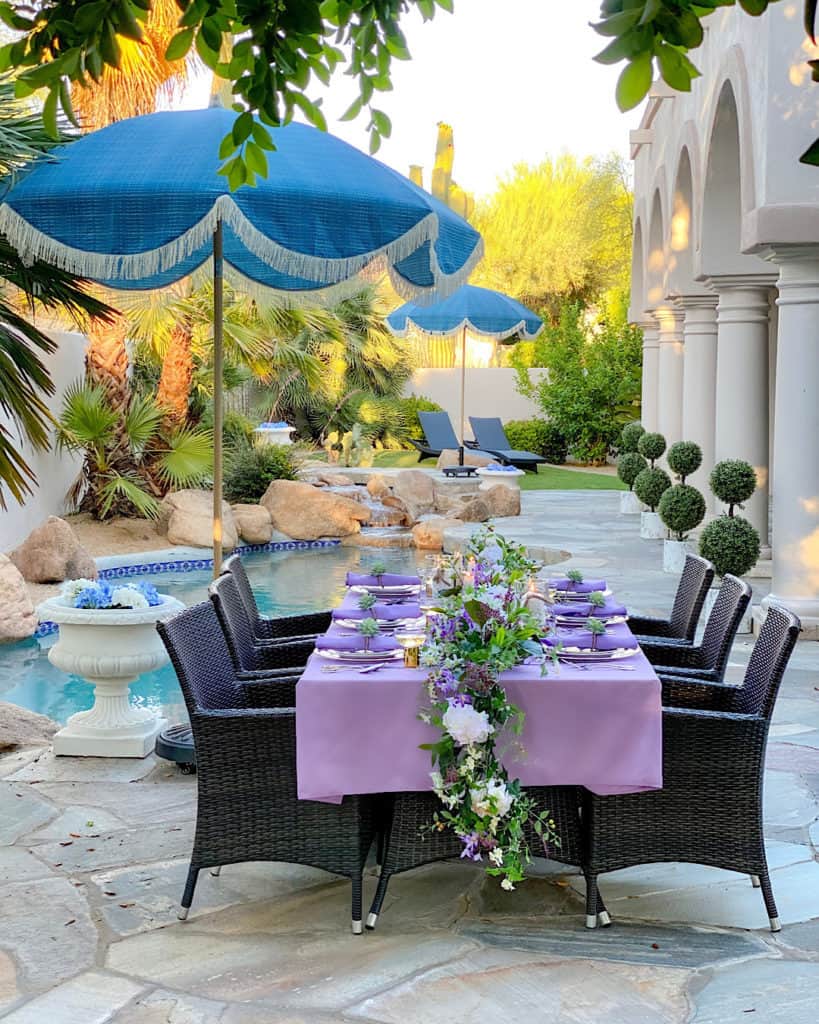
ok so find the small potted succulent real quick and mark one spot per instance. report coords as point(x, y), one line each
point(368, 628)
point(597, 599)
point(629, 464)
point(367, 601)
point(681, 507)
point(597, 629)
point(574, 576)
point(378, 569)
point(729, 540)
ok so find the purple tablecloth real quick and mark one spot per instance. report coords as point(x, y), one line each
point(599, 727)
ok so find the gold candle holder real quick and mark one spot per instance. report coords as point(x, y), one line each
point(411, 643)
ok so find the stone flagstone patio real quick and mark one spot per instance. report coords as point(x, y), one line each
point(93, 857)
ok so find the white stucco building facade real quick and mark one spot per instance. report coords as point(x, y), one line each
point(726, 276)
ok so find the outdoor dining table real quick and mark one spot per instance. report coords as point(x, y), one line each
point(597, 725)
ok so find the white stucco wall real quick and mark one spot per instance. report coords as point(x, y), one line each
point(55, 470)
point(489, 392)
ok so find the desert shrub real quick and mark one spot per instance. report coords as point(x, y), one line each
point(632, 432)
point(733, 481)
point(629, 466)
point(250, 470)
point(650, 486)
point(651, 447)
point(410, 407)
point(539, 436)
point(731, 543)
point(681, 508)
point(684, 458)
point(383, 422)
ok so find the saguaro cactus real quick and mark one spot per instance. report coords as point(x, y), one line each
point(442, 185)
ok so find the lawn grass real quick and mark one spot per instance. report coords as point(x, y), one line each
point(549, 478)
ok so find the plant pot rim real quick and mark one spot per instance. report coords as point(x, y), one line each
point(57, 609)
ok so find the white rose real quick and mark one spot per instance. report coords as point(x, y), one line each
point(496, 856)
point(72, 587)
point(466, 725)
point(491, 800)
point(127, 597)
point(507, 885)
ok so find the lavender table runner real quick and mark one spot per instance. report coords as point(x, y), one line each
point(598, 727)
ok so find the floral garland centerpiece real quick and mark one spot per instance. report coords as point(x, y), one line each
point(482, 628)
point(82, 593)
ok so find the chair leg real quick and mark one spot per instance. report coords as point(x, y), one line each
point(591, 900)
point(770, 903)
point(357, 887)
point(603, 916)
point(216, 871)
point(755, 881)
point(378, 899)
point(187, 895)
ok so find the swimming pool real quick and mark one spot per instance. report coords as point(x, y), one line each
point(284, 582)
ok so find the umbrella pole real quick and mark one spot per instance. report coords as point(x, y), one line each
point(218, 416)
point(463, 389)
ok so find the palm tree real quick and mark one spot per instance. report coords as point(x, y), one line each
point(144, 75)
point(25, 383)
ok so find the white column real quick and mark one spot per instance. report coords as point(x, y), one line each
point(742, 384)
point(651, 354)
point(796, 439)
point(670, 373)
point(700, 380)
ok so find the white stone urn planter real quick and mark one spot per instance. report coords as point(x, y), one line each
point(630, 504)
point(746, 623)
point(274, 433)
point(651, 526)
point(111, 648)
point(674, 552)
point(490, 477)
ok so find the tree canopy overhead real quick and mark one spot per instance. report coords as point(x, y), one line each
point(560, 230)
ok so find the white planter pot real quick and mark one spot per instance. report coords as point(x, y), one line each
point(674, 552)
point(274, 435)
point(111, 648)
point(490, 477)
point(630, 504)
point(746, 624)
point(651, 526)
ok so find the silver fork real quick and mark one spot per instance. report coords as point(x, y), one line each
point(347, 668)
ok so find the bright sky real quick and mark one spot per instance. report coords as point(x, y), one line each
point(514, 78)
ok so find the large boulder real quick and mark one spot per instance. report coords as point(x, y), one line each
point(428, 535)
point(404, 514)
point(305, 512)
point(253, 523)
point(17, 618)
point(449, 457)
point(20, 727)
point(472, 510)
point(378, 487)
point(416, 489)
point(52, 553)
point(187, 518)
point(502, 500)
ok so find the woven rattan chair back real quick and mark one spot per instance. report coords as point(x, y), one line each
point(199, 654)
point(236, 623)
point(697, 577)
point(723, 623)
point(235, 567)
point(767, 664)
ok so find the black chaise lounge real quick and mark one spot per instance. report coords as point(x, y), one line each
point(490, 437)
point(439, 436)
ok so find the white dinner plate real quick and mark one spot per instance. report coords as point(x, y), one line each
point(572, 595)
point(403, 591)
point(578, 621)
point(385, 625)
point(587, 654)
point(361, 656)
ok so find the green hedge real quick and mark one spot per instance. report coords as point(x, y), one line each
point(538, 436)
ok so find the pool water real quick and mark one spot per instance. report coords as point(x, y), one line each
point(285, 582)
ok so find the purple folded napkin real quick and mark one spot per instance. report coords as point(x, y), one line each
point(334, 642)
point(388, 579)
point(586, 587)
point(387, 612)
point(583, 639)
point(582, 610)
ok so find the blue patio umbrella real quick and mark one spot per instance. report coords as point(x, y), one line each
point(482, 311)
point(139, 204)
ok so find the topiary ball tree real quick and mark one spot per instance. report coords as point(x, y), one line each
point(733, 481)
point(629, 466)
point(651, 447)
point(650, 486)
point(681, 508)
point(684, 458)
point(731, 543)
point(630, 437)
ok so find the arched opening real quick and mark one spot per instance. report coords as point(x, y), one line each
point(681, 240)
point(656, 268)
point(723, 198)
point(637, 273)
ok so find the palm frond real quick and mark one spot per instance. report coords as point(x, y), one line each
point(188, 458)
point(87, 419)
point(132, 489)
point(141, 422)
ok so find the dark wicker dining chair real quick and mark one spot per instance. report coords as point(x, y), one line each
point(247, 807)
point(409, 841)
point(709, 810)
point(283, 627)
point(250, 654)
point(708, 659)
point(697, 576)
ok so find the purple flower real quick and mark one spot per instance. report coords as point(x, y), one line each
point(472, 844)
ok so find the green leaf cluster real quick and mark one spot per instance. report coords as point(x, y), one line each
point(731, 543)
point(681, 508)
